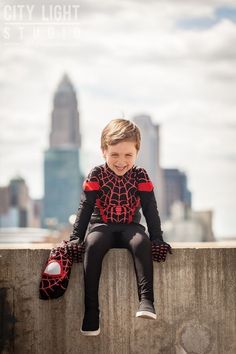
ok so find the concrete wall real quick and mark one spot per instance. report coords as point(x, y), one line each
point(195, 299)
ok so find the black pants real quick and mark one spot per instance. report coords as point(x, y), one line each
point(102, 237)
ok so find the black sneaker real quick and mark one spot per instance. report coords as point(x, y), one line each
point(146, 310)
point(90, 326)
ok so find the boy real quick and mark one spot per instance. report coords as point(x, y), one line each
point(113, 194)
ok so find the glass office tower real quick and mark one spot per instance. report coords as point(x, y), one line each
point(62, 174)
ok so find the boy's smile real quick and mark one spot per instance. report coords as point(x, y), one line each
point(121, 157)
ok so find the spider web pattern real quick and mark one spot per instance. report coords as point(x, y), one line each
point(118, 196)
point(51, 285)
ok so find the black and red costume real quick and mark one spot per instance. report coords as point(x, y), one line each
point(109, 217)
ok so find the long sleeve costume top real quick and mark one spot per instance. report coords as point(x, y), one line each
point(109, 198)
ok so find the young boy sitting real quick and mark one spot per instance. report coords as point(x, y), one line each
point(109, 217)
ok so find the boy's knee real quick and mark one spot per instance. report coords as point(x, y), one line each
point(92, 243)
point(141, 242)
point(96, 243)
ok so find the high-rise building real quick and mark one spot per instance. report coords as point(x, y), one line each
point(65, 129)
point(62, 177)
point(170, 185)
point(149, 155)
point(4, 199)
point(175, 189)
point(15, 204)
point(19, 198)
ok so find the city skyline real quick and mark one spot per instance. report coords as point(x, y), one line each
point(156, 59)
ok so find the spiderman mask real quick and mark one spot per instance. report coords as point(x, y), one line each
point(55, 276)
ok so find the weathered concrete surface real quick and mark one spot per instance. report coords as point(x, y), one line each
point(195, 299)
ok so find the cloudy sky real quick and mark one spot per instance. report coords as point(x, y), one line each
point(174, 60)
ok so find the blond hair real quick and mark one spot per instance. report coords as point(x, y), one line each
point(118, 130)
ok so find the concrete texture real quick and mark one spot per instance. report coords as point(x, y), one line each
point(195, 300)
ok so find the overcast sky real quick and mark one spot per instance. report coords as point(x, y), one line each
point(174, 60)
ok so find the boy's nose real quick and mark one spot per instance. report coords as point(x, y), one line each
point(120, 163)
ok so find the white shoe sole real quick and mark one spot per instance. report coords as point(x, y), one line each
point(90, 333)
point(146, 314)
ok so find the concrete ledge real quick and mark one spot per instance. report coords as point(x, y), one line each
point(219, 244)
point(194, 298)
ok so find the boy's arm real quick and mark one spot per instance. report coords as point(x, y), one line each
point(85, 210)
point(151, 214)
point(149, 206)
point(160, 248)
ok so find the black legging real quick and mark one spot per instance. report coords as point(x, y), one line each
point(102, 237)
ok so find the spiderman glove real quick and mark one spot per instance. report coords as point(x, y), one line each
point(160, 250)
point(76, 249)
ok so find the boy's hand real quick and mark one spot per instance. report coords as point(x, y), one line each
point(160, 250)
point(76, 249)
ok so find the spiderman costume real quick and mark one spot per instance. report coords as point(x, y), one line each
point(109, 217)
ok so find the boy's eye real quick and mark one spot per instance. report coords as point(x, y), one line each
point(115, 155)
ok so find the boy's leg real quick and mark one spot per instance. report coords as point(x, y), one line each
point(98, 241)
point(138, 243)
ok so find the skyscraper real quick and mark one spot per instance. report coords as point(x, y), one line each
point(15, 209)
point(62, 177)
point(149, 155)
point(176, 189)
point(65, 130)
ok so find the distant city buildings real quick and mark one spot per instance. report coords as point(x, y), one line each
point(63, 181)
point(187, 225)
point(179, 221)
point(20, 216)
point(62, 175)
point(15, 204)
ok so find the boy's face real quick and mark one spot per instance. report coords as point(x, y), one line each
point(120, 157)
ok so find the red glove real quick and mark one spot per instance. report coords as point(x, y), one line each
point(76, 249)
point(160, 250)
